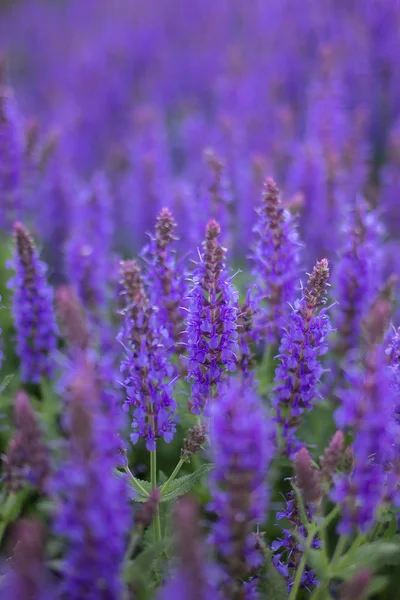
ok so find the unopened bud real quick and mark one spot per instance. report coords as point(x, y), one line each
point(147, 511)
point(332, 456)
point(194, 441)
point(72, 318)
point(308, 479)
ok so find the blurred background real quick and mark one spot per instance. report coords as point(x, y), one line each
point(168, 99)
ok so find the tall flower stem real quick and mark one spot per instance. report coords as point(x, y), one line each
point(153, 480)
point(303, 562)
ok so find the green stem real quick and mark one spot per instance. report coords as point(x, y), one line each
point(340, 546)
point(173, 475)
point(329, 518)
point(153, 479)
point(302, 565)
point(137, 481)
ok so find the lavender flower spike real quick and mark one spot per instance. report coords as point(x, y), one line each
point(33, 310)
point(165, 279)
point(356, 278)
point(276, 257)
point(242, 449)
point(211, 323)
point(303, 342)
point(11, 156)
point(27, 458)
point(147, 373)
point(92, 513)
point(367, 407)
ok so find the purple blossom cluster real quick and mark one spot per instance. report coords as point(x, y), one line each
point(148, 374)
point(241, 442)
point(92, 514)
point(211, 323)
point(303, 343)
point(276, 259)
point(166, 279)
point(33, 310)
point(158, 130)
point(367, 407)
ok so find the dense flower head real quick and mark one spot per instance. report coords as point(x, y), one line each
point(276, 259)
point(303, 342)
point(367, 409)
point(32, 309)
point(148, 375)
point(356, 278)
point(28, 458)
point(242, 448)
point(92, 510)
point(211, 322)
point(166, 279)
point(11, 157)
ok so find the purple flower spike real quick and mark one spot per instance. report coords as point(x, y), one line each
point(165, 279)
point(211, 323)
point(357, 277)
point(303, 342)
point(147, 374)
point(11, 157)
point(367, 407)
point(242, 448)
point(276, 257)
point(27, 458)
point(92, 510)
point(33, 310)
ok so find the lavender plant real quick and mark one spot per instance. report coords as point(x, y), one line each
point(33, 309)
point(178, 111)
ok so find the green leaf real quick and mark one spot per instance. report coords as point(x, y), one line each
point(137, 571)
point(182, 485)
point(272, 585)
point(137, 484)
point(370, 556)
point(5, 383)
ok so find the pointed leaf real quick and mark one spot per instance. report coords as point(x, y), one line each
point(5, 383)
point(370, 556)
point(140, 486)
point(183, 485)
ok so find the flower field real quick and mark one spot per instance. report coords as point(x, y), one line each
point(199, 316)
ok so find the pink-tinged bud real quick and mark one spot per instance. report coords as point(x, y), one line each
point(332, 456)
point(377, 321)
point(194, 441)
point(147, 511)
point(27, 458)
point(308, 479)
point(348, 460)
point(317, 284)
point(27, 561)
point(357, 586)
point(72, 319)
